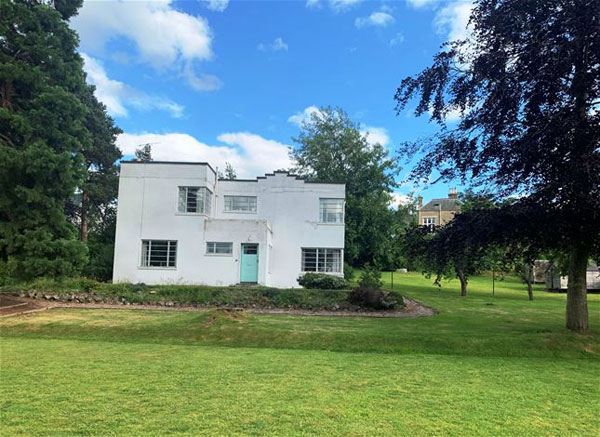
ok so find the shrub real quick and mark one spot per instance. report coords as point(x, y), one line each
point(374, 298)
point(370, 278)
point(348, 272)
point(322, 281)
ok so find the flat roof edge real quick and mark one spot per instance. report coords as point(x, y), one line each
point(171, 162)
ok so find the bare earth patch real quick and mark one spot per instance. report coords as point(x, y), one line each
point(10, 306)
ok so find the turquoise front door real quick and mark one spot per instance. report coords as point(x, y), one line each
point(249, 265)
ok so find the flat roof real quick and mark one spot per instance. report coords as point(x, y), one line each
point(288, 174)
point(170, 162)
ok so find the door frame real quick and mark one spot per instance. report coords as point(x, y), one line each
point(243, 245)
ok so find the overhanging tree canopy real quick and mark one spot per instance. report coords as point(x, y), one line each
point(527, 83)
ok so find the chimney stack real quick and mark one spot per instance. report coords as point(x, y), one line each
point(452, 194)
point(420, 202)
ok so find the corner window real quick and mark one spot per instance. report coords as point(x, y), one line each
point(322, 260)
point(331, 210)
point(194, 200)
point(240, 204)
point(159, 253)
point(216, 248)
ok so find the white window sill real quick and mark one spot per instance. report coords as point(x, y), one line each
point(240, 212)
point(156, 268)
point(330, 224)
point(227, 255)
point(194, 214)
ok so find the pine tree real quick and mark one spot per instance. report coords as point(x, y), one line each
point(42, 135)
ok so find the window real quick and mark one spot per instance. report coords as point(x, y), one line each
point(159, 253)
point(240, 203)
point(194, 200)
point(429, 221)
point(214, 248)
point(331, 210)
point(322, 260)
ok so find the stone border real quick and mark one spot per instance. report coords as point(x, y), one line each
point(413, 309)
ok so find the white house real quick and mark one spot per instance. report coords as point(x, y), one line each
point(177, 223)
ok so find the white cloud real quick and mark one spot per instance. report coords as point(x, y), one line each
point(377, 19)
point(376, 135)
point(251, 155)
point(452, 116)
point(343, 5)
point(397, 40)
point(335, 5)
point(400, 199)
point(452, 20)
point(217, 5)
point(420, 3)
point(163, 37)
point(304, 116)
point(277, 45)
point(117, 95)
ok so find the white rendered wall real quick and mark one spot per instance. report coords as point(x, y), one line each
point(287, 219)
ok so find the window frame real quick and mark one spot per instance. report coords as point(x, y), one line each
point(215, 253)
point(429, 218)
point(321, 264)
point(322, 210)
point(240, 211)
point(146, 255)
point(206, 203)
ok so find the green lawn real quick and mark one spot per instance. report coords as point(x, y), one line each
point(483, 366)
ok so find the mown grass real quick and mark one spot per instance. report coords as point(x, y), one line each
point(483, 366)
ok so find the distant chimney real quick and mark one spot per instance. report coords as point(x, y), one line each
point(452, 194)
point(420, 202)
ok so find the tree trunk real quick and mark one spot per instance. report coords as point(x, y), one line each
point(530, 281)
point(577, 310)
point(463, 282)
point(84, 217)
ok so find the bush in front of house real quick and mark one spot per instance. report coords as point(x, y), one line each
point(322, 281)
point(373, 298)
point(348, 272)
point(370, 278)
point(369, 294)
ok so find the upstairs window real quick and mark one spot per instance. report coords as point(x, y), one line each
point(429, 221)
point(194, 200)
point(159, 253)
point(216, 248)
point(240, 204)
point(331, 210)
point(322, 260)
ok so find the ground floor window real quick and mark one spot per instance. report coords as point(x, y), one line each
point(322, 260)
point(217, 248)
point(159, 253)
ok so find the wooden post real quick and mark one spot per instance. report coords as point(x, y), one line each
point(493, 282)
point(392, 280)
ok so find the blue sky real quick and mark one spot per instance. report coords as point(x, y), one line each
point(229, 81)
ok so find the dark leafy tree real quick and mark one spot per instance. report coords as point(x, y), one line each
point(229, 172)
point(42, 135)
point(527, 83)
point(144, 153)
point(331, 148)
point(98, 192)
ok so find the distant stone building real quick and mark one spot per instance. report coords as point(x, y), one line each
point(438, 212)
